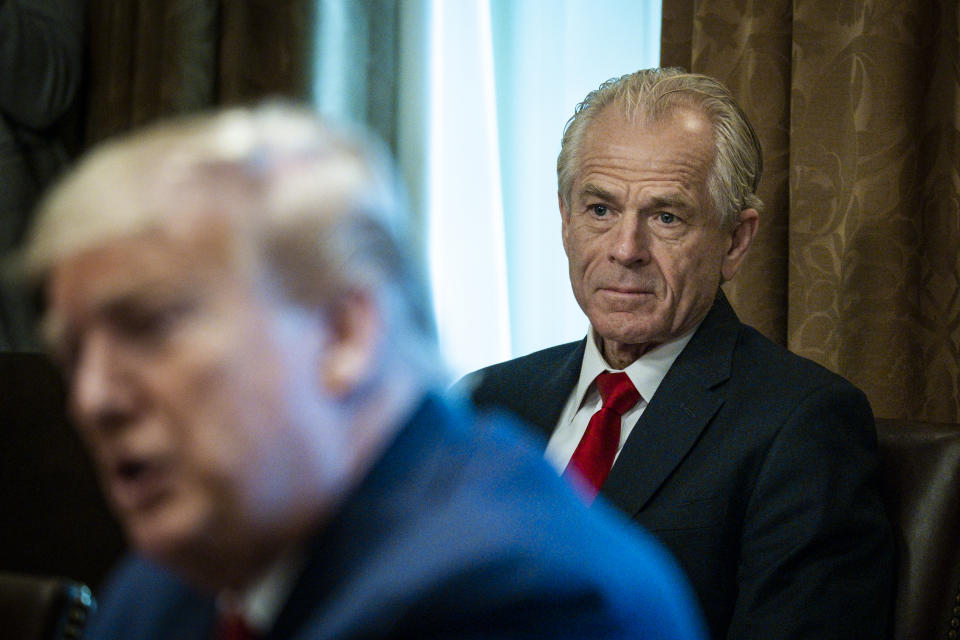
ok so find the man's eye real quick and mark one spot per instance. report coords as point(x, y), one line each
point(667, 218)
point(144, 326)
point(599, 210)
point(154, 323)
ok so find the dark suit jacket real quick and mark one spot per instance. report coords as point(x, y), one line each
point(461, 530)
point(756, 467)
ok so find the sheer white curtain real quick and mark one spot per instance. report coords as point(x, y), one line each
point(486, 87)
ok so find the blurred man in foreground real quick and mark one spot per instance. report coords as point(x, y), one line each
point(250, 359)
point(756, 467)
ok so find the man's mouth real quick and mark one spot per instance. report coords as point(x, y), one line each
point(627, 291)
point(137, 483)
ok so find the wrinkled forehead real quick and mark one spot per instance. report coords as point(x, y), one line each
point(641, 134)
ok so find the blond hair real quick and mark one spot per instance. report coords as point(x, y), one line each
point(320, 208)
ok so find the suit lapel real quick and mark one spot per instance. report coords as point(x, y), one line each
point(678, 413)
point(323, 599)
point(546, 393)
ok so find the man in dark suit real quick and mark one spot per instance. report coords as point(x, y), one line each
point(251, 362)
point(756, 467)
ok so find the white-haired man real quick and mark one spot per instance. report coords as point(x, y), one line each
point(757, 468)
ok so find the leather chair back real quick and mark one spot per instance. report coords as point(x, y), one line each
point(921, 469)
point(55, 521)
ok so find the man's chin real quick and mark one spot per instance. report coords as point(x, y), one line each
point(163, 535)
point(629, 329)
point(209, 557)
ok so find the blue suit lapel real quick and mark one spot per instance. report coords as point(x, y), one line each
point(680, 410)
point(394, 491)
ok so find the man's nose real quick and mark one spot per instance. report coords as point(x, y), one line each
point(630, 242)
point(100, 398)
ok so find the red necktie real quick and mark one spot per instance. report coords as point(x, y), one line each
point(232, 626)
point(594, 456)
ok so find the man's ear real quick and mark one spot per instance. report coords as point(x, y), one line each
point(740, 238)
point(564, 220)
point(356, 328)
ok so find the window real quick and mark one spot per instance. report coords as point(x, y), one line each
point(484, 88)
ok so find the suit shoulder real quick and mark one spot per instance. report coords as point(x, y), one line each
point(766, 360)
point(768, 380)
point(531, 362)
point(573, 572)
point(142, 600)
point(488, 382)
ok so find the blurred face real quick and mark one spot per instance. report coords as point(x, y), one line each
point(645, 248)
point(197, 396)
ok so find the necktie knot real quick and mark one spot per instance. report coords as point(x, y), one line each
point(617, 391)
point(233, 626)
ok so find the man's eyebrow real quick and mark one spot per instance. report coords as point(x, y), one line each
point(120, 302)
point(55, 332)
point(671, 200)
point(594, 191)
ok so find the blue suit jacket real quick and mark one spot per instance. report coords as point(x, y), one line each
point(756, 467)
point(459, 531)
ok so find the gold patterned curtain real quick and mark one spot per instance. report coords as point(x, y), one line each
point(152, 58)
point(857, 263)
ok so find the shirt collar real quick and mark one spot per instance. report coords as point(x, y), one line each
point(261, 603)
point(646, 372)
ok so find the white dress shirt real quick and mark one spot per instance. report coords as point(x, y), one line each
point(646, 373)
point(261, 603)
